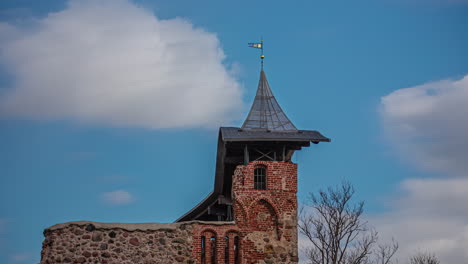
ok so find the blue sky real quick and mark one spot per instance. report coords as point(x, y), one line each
point(109, 109)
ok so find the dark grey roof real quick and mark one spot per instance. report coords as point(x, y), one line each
point(201, 206)
point(238, 134)
point(266, 113)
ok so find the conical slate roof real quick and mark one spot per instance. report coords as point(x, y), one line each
point(266, 114)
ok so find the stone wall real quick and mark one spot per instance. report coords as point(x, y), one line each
point(91, 242)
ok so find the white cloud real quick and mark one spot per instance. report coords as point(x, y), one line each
point(430, 215)
point(429, 126)
point(21, 257)
point(303, 244)
point(115, 63)
point(118, 197)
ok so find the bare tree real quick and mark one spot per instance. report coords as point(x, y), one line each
point(333, 225)
point(384, 253)
point(424, 258)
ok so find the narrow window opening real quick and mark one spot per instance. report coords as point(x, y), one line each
point(236, 250)
point(226, 251)
point(213, 249)
point(203, 247)
point(260, 178)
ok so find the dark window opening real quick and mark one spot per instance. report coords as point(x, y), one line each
point(236, 250)
point(213, 249)
point(226, 251)
point(260, 178)
point(203, 258)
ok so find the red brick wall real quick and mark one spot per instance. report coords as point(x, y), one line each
point(220, 232)
point(265, 220)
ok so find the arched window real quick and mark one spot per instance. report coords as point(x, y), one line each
point(226, 251)
point(260, 178)
point(213, 249)
point(236, 250)
point(203, 249)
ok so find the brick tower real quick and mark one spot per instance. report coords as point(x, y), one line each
point(251, 215)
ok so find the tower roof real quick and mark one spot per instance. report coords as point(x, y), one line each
point(266, 126)
point(266, 114)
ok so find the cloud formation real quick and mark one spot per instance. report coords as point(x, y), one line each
point(429, 216)
point(118, 197)
point(20, 258)
point(429, 126)
point(115, 63)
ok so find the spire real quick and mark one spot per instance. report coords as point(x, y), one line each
point(266, 113)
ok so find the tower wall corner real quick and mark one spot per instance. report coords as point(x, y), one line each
point(267, 218)
point(265, 221)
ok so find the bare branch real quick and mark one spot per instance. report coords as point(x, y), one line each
point(424, 258)
point(385, 252)
point(333, 225)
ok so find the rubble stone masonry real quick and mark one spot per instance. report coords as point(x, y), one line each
point(264, 230)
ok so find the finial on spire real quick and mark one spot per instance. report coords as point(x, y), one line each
point(258, 46)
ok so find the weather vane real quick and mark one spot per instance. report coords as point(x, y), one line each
point(258, 45)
